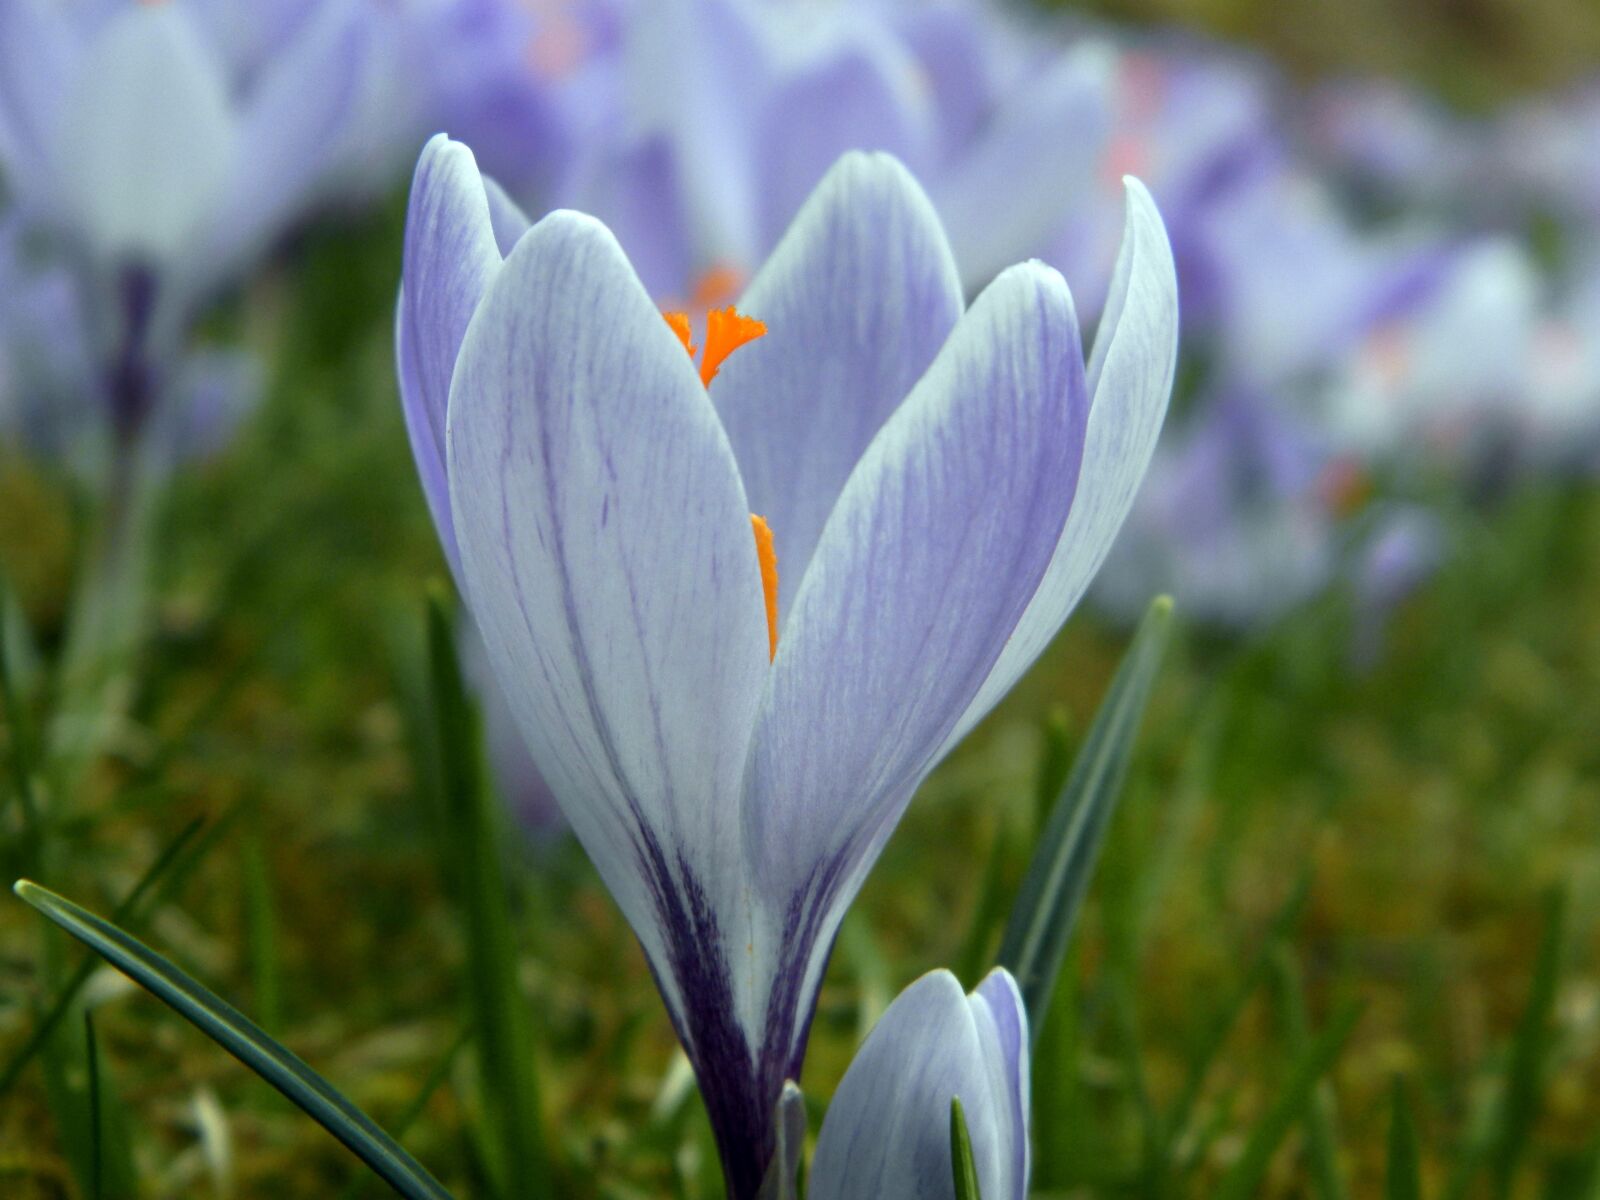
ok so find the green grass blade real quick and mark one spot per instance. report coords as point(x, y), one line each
point(96, 1155)
point(1403, 1175)
point(1520, 1101)
point(1232, 1010)
point(1052, 892)
point(20, 756)
point(962, 1167)
point(236, 1034)
point(500, 1012)
point(1321, 1118)
point(975, 949)
point(18, 1062)
point(419, 1102)
point(1063, 1117)
point(90, 1122)
point(261, 932)
point(1244, 1179)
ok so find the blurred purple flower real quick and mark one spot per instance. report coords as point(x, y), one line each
point(732, 110)
point(886, 1135)
point(1548, 152)
point(53, 394)
point(1234, 519)
point(1398, 147)
point(940, 488)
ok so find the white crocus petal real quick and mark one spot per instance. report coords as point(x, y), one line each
point(886, 1135)
point(609, 562)
point(1130, 380)
point(147, 139)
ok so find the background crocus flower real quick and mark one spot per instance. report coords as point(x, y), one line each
point(733, 744)
point(767, 96)
point(886, 1135)
point(131, 127)
point(51, 392)
point(1232, 520)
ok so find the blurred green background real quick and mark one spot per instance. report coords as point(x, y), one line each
point(1297, 834)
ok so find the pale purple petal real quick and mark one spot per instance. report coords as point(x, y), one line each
point(606, 546)
point(1130, 379)
point(857, 299)
point(950, 42)
point(148, 138)
point(1034, 165)
point(858, 96)
point(696, 73)
point(290, 123)
point(451, 256)
point(636, 191)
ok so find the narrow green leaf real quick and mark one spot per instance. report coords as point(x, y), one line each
point(1523, 1095)
point(963, 1169)
point(1403, 1178)
point(119, 916)
point(236, 1034)
point(500, 1013)
point(1052, 892)
point(1321, 1118)
point(1243, 1180)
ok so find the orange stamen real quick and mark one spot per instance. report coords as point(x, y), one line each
point(720, 284)
point(726, 330)
point(768, 558)
point(680, 326)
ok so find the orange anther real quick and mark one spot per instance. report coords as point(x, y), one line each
point(726, 330)
point(680, 326)
point(768, 558)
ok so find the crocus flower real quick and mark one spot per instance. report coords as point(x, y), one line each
point(886, 1135)
point(733, 724)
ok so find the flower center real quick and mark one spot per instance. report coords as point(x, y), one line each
point(726, 330)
